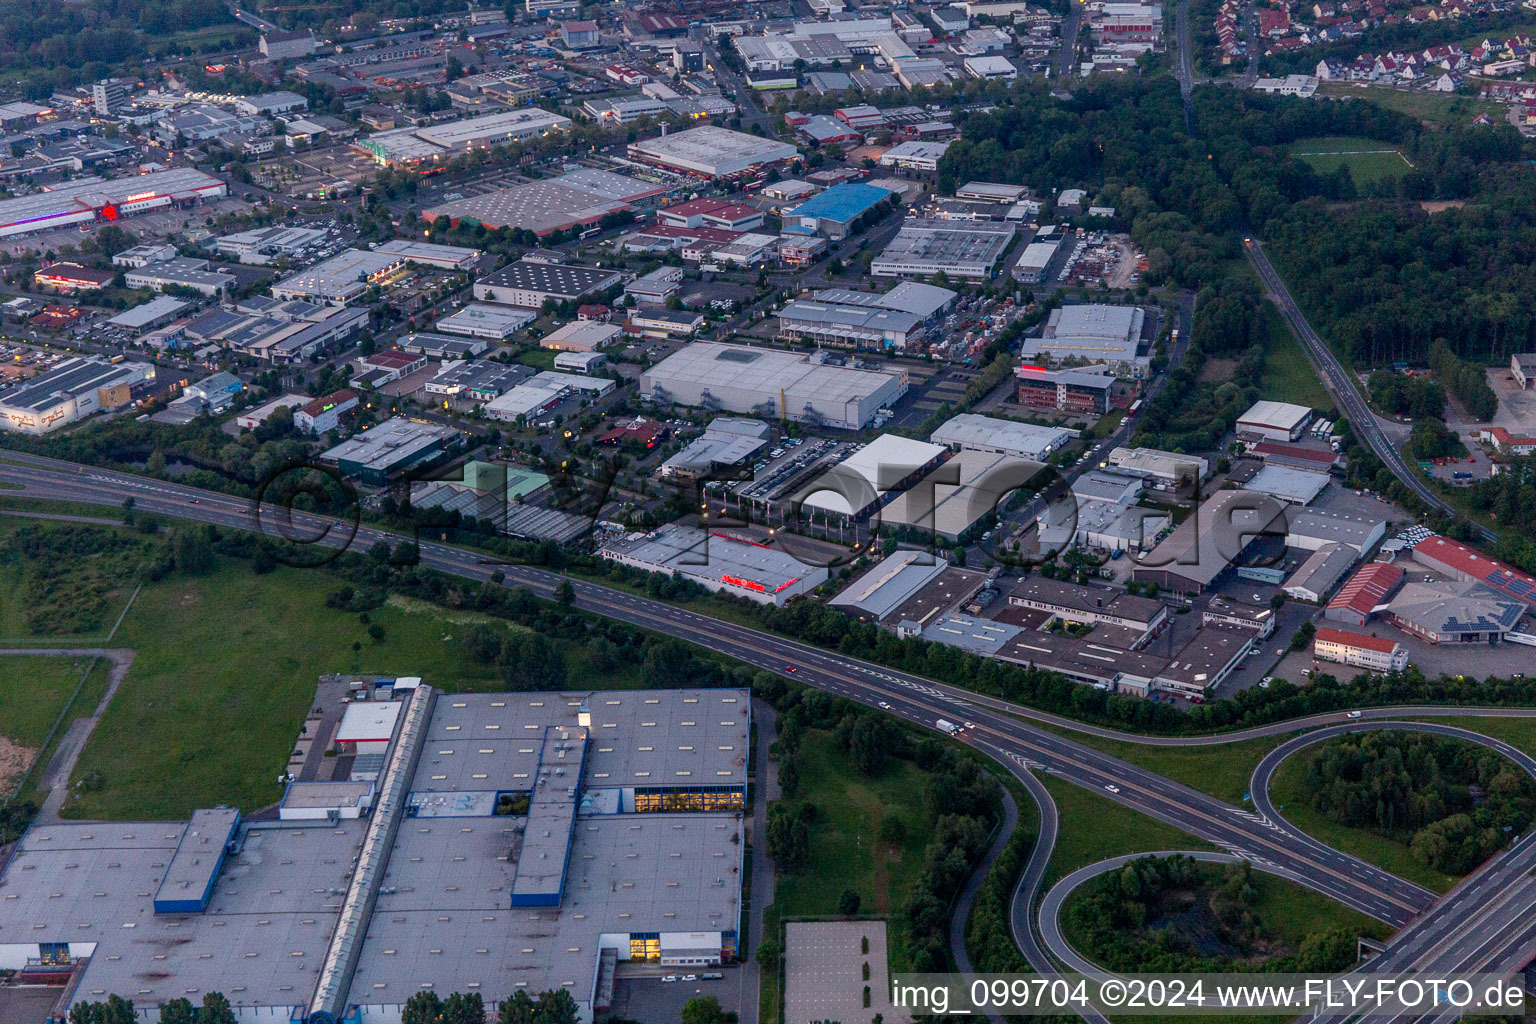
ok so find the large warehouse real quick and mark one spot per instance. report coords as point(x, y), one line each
point(922, 248)
point(582, 197)
point(531, 283)
point(1098, 333)
point(719, 562)
point(94, 201)
point(1275, 421)
point(770, 382)
point(629, 849)
point(971, 432)
point(869, 477)
point(70, 391)
point(711, 151)
point(431, 143)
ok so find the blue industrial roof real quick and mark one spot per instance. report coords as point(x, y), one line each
point(842, 203)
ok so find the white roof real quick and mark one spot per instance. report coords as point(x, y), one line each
point(898, 457)
point(369, 721)
point(1275, 415)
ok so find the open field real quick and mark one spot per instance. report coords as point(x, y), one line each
point(226, 666)
point(1434, 108)
point(846, 851)
point(1367, 159)
point(33, 690)
point(1288, 377)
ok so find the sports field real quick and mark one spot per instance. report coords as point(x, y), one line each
point(1367, 159)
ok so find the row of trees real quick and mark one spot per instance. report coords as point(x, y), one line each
point(1451, 799)
point(215, 1009)
point(1467, 381)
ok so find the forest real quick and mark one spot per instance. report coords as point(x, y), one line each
point(1379, 275)
point(1455, 803)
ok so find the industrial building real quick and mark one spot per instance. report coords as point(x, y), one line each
point(853, 319)
point(771, 382)
point(1075, 604)
point(1454, 612)
point(181, 272)
point(1316, 577)
point(1165, 470)
point(390, 448)
point(1359, 650)
point(1035, 261)
point(481, 380)
point(630, 849)
point(922, 248)
point(544, 391)
point(1460, 562)
point(1111, 335)
point(907, 590)
point(726, 444)
point(1275, 421)
point(70, 391)
point(68, 278)
point(88, 201)
point(146, 316)
point(972, 432)
point(253, 418)
point(406, 147)
point(262, 246)
point(872, 476)
point(581, 336)
point(719, 562)
point(427, 254)
point(953, 497)
point(1310, 529)
point(710, 151)
point(1209, 542)
point(487, 320)
point(276, 330)
point(578, 198)
point(833, 213)
point(1086, 390)
point(343, 278)
point(1364, 593)
point(1288, 483)
point(531, 283)
point(324, 413)
point(440, 346)
point(1098, 523)
point(915, 155)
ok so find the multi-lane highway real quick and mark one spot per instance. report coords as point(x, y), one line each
point(1342, 385)
point(997, 728)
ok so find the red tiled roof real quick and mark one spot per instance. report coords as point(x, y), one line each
point(1361, 640)
point(1367, 588)
point(1294, 451)
point(1460, 558)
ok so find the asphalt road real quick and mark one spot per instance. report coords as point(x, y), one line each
point(1343, 387)
point(998, 729)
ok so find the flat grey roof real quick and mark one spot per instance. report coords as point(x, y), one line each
point(198, 854)
point(454, 931)
point(71, 377)
point(551, 278)
point(262, 938)
point(889, 583)
point(540, 873)
point(490, 742)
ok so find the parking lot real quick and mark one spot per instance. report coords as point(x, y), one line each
point(650, 1000)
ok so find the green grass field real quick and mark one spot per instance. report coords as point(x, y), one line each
point(33, 690)
point(1288, 377)
point(846, 852)
point(1433, 108)
point(1367, 159)
point(106, 579)
point(226, 666)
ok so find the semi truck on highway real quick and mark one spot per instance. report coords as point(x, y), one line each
point(946, 726)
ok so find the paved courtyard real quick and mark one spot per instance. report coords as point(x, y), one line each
point(824, 973)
